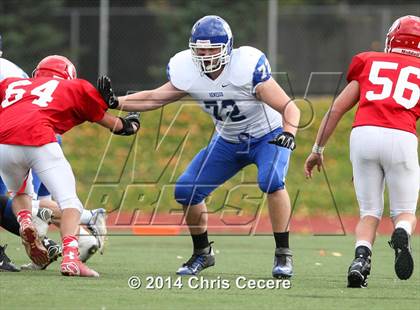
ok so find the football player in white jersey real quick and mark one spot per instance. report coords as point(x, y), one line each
point(7, 69)
point(256, 123)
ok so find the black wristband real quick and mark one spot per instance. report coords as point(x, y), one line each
point(113, 102)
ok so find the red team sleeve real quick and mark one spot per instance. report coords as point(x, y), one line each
point(94, 107)
point(355, 68)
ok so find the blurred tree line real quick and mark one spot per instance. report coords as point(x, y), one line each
point(33, 29)
point(30, 29)
point(247, 18)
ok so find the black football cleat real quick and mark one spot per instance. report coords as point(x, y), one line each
point(358, 272)
point(5, 263)
point(283, 263)
point(201, 259)
point(54, 250)
point(404, 263)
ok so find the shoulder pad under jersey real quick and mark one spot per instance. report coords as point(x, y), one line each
point(9, 69)
point(248, 65)
point(182, 71)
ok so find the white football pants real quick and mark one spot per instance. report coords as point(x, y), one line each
point(382, 155)
point(48, 162)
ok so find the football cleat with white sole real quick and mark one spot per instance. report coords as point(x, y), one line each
point(201, 259)
point(5, 262)
point(404, 263)
point(97, 227)
point(31, 267)
point(358, 272)
point(283, 263)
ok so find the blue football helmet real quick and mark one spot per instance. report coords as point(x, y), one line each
point(211, 32)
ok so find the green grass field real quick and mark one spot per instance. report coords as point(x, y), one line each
point(168, 141)
point(319, 283)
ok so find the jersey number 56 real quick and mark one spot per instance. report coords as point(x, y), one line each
point(401, 86)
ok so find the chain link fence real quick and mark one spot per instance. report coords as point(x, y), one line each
point(309, 39)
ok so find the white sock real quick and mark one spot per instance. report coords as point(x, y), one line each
point(363, 243)
point(404, 225)
point(85, 217)
point(35, 208)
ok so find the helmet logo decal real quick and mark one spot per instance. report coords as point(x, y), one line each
point(203, 42)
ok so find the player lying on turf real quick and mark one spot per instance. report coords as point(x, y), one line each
point(383, 143)
point(46, 212)
point(256, 123)
point(32, 111)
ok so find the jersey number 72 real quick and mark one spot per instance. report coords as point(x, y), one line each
point(233, 111)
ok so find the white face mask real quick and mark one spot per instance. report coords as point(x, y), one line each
point(213, 62)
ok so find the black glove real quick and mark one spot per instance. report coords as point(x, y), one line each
point(285, 139)
point(105, 89)
point(132, 118)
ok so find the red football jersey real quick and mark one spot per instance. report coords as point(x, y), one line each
point(33, 110)
point(389, 90)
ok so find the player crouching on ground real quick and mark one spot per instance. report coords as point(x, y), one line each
point(383, 143)
point(32, 112)
point(91, 239)
point(45, 213)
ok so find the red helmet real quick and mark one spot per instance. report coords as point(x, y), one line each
point(404, 36)
point(55, 66)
